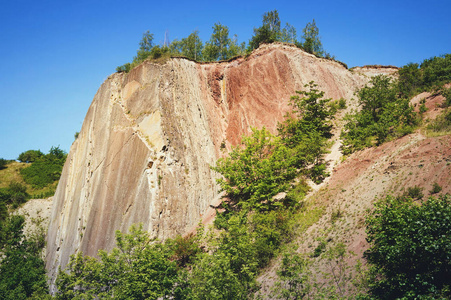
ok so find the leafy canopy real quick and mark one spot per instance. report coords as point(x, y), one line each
point(384, 115)
point(45, 169)
point(410, 247)
point(138, 268)
point(257, 170)
point(22, 271)
point(311, 40)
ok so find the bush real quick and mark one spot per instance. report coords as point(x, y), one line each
point(441, 124)
point(46, 169)
point(138, 268)
point(415, 192)
point(3, 163)
point(255, 172)
point(431, 74)
point(410, 246)
point(447, 94)
point(30, 156)
point(436, 188)
point(383, 116)
point(22, 271)
point(15, 194)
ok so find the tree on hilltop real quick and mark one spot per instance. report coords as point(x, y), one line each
point(312, 43)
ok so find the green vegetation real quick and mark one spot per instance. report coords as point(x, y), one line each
point(30, 156)
point(45, 169)
point(265, 165)
point(222, 46)
point(138, 268)
point(384, 116)
point(15, 194)
point(22, 272)
point(441, 125)
point(3, 163)
point(430, 75)
point(410, 248)
point(312, 43)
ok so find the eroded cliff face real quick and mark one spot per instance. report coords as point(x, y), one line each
point(145, 149)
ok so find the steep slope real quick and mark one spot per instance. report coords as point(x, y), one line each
point(349, 193)
point(149, 137)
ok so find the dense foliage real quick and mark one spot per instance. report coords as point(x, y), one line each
point(45, 169)
point(138, 268)
point(15, 194)
point(410, 248)
point(383, 116)
point(22, 272)
point(3, 163)
point(30, 156)
point(307, 129)
point(257, 170)
point(431, 73)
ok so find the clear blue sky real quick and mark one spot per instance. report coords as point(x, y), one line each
point(54, 55)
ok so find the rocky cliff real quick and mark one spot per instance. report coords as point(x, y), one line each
point(150, 136)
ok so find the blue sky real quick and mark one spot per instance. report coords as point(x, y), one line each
point(54, 55)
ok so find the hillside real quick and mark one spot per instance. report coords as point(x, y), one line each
point(145, 149)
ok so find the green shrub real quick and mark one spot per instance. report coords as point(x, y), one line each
point(383, 116)
point(441, 124)
point(415, 192)
point(431, 74)
point(22, 271)
point(185, 249)
point(15, 194)
point(3, 163)
point(45, 169)
point(138, 268)
point(30, 156)
point(256, 171)
point(436, 188)
point(124, 68)
point(342, 103)
point(447, 94)
point(410, 246)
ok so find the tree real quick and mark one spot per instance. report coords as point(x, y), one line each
point(218, 45)
point(410, 247)
point(192, 46)
point(293, 276)
point(312, 43)
point(271, 19)
point(409, 79)
point(139, 268)
point(30, 156)
point(269, 32)
point(22, 271)
point(384, 115)
point(145, 47)
point(289, 34)
point(255, 171)
point(306, 130)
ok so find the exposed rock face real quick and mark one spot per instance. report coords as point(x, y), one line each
point(150, 136)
